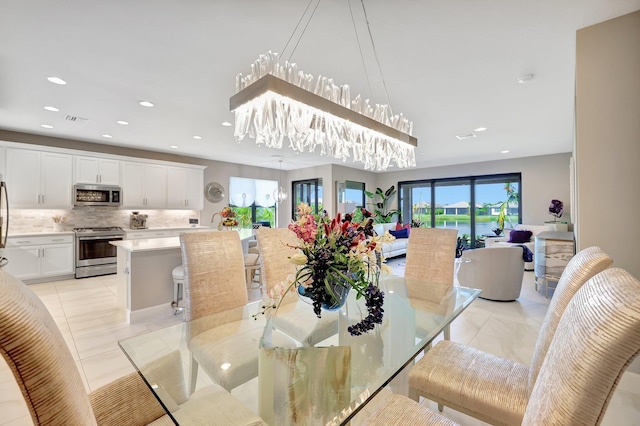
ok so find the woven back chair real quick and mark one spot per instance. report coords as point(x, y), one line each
point(276, 246)
point(596, 339)
point(34, 349)
point(298, 321)
point(488, 387)
point(431, 253)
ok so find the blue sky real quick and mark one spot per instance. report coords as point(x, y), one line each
point(488, 193)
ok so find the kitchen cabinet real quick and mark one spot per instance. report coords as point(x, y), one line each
point(39, 179)
point(40, 257)
point(97, 170)
point(185, 188)
point(147, 233)
point(144, 185)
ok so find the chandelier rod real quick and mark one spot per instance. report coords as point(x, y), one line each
point(364, 65)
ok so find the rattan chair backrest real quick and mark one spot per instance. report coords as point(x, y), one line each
point(34, 349)
point(276, 246)
point(431, 253)
point(584, 265)
point(596, 339)
point(213, 271)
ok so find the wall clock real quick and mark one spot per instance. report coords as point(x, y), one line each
point(214, 192)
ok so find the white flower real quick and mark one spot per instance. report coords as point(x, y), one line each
point(299, 259)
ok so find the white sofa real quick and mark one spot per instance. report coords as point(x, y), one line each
point(395, 248)
point(535, 230)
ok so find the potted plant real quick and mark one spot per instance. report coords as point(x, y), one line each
point(381, 200)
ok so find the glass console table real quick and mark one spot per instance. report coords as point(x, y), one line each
point(328, 383)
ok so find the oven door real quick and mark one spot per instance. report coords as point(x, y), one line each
point(96, 250)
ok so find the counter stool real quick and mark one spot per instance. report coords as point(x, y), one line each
point(178, 286)
point(251, 265)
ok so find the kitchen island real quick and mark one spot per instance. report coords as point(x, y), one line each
point(145, 283)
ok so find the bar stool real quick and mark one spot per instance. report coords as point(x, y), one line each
point(251, 265)
point(178, 286)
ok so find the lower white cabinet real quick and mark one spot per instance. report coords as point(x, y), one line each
point(147, 233)
point(39, 257)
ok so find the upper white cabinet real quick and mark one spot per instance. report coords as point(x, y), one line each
point(185, 188)
point(144, 185)
point(97, 170)
point(39, 179)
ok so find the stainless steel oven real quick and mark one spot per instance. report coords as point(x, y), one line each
point(94, 255)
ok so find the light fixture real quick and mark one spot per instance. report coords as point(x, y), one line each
point(57, 80)
point(506, 151)
point(122, 122)
point(525, 78)
point(47, 126)
point(480, 129)
point(226, 124)
point(466, 136)
point(280, 194)
point(146, 104)
point(51, 108)
point(277, 101)
point(173, 146)
point(107, 136)
point(197, 137)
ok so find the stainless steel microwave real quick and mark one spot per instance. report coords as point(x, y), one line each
point(96, 195)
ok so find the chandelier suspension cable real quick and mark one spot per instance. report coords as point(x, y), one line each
point(364, 65)
point(375, 55)
point(303, 30)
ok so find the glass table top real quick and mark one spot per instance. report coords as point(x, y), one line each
point(294, 368)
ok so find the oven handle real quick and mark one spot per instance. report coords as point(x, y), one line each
point(104, 237)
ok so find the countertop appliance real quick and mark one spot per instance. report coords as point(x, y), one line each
point(138, 221)
point(4, 220)
point(96, 195)
point(94, 255)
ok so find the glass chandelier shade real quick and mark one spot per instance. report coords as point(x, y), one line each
point(276, 102)
point(280, 194)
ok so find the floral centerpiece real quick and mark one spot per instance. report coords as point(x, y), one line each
point(335, 257)
point(228, 217)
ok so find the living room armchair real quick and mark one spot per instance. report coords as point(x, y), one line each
point(497, 271)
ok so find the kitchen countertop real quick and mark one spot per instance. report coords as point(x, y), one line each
point(150, 244)
point(39, 234)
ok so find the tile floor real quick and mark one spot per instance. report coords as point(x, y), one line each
point(86, 314)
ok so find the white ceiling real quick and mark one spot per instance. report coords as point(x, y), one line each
point(449, 65)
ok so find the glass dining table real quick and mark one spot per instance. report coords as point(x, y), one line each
point(326, 376)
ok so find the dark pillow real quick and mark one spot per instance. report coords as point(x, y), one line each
point(403, 233)
point(520, 236)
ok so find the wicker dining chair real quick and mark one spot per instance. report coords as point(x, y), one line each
point(294, 317)
point(44, 369)
point(488, 387)
point(431, 254)
point(223, 340)
point(596, 339)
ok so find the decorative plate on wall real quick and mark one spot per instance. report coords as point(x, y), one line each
point(214, 192)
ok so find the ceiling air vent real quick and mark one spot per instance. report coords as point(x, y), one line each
point(467, 136)
point(75, 119)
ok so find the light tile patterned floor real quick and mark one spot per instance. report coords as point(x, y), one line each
point(91, 325)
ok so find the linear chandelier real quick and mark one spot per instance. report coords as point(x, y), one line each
point(277, 101)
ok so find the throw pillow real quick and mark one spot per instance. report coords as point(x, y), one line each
point(402, 233)
point(520, 236)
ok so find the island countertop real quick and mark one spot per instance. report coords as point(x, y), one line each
point(151, 244)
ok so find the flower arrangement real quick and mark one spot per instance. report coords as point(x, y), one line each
point(335, 256)
point(228, 217)
point(556, 208)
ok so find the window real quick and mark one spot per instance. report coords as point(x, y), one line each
point(307, 191)
point(475, 205)
point(252, 200)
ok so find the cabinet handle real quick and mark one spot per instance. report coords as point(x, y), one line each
point(58, 239)
point(98, 178)
point(43, 199)
point(23, 242)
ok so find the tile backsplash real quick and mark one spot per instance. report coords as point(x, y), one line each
point(37, 220)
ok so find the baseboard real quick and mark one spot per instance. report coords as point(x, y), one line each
point(151, 314)
point(49, 279)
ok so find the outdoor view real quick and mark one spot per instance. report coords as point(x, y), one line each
point(495, 206)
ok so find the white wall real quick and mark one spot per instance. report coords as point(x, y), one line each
point(544, 178)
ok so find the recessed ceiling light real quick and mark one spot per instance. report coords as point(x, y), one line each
point(47, 126)
point(506, 151)
point(124, 123)
point(51, 108)
point(525, 78)
point(226, 124)
point(467, 136)
point(57, 80)
point(197, 137)
point(480, 129)
point(146, 103)
point(174, 147)
point(107, 136)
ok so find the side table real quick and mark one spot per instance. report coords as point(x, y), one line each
point(553, 250)
point(489, 240)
